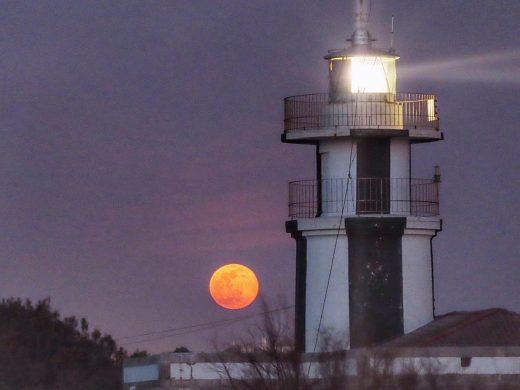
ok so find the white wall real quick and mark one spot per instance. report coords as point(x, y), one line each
point(335, 161)
point(320, 249)
point(203, 370)
point(481, 365)
point(149, 372)
point(417, 279)
point(400, 175)
point(400, 157)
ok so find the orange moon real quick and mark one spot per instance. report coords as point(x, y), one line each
point(233, 286)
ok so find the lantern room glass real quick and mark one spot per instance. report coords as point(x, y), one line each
point(361, 74)
point(372, 75)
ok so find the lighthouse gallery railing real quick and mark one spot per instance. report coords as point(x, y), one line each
point(394, 196)
point(399, 110)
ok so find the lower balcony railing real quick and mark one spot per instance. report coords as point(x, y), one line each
point(394, 196)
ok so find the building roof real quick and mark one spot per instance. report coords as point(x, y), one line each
point(483, 328)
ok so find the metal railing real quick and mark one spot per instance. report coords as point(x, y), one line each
point(376, 110)
point(394, 196)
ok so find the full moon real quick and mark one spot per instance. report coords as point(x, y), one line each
point(233, 286)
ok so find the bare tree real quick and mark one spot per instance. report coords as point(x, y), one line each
point(268, 358)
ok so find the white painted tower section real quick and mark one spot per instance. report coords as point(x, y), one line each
point(417, 272)
point(400, 172)
point(338, 160)
point(321, 239)
point(400, 158)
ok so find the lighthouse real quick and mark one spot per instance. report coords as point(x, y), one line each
point(363, 226)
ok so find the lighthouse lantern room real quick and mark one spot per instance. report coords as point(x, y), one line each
point(363, 226)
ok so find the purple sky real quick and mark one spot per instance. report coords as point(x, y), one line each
point(140, 149)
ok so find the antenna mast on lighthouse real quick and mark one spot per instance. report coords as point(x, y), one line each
point(361, 36)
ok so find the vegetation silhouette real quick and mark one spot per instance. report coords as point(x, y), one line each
point(39, 350)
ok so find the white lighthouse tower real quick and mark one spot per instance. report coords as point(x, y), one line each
point(363, 226)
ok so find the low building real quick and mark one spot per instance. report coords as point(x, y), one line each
point(460, 348)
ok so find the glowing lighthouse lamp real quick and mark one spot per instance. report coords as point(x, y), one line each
point(361, 68)
point(362, 73)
